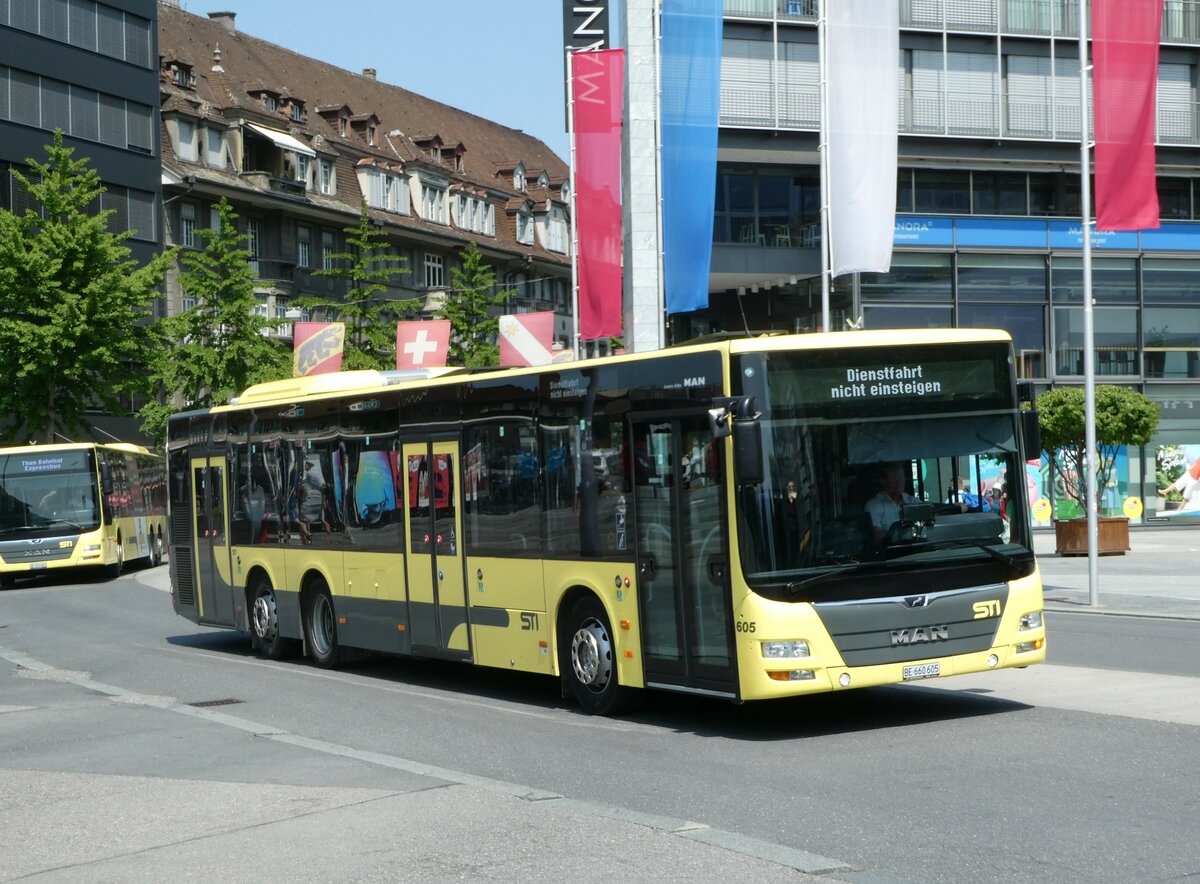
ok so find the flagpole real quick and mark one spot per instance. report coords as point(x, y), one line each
point(1089, 369)
point(656, 23)
point(574, 221)
point(823, 157)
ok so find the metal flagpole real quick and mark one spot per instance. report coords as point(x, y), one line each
point(823, 155)
point(574, 222)
point(656, 23)
point(1089, 369)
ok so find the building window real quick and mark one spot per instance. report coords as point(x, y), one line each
point(525, 228)
point(302, 169)
point(371, 135)
point(327, 249)
point(187, 225)
point(271, 102)
point(556, 227)
point(303, 246)
point(214, 148)
point(252, 245)
point(189, 303)
point(327, 180)
point(186, 141)
point(433, 271)
point(342, 126)
point(519, 179)
point(297, 113)
point(433, 203)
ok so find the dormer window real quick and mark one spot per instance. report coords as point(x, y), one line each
point(371, 135)
point(271, 102)
point(343, 123)
point(524, 228)
point(519, 178)
point(543, 180)
point(297, 112)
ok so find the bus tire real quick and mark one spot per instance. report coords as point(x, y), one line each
point(7, 581)
point(320, 628)
point(155, 550)
point(264, 623)
point(588, 659)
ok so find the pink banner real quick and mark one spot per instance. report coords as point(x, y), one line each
point(1125, 35)
point(317, 347)
point(597, 81)
point(527, 338)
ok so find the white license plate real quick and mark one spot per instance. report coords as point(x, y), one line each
point(37, 566)
point(922, 670)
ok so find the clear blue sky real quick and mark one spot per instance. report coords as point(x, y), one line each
point(500, 59)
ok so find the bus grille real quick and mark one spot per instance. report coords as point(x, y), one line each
point(916, 627)
point(181, 524)
point(185, 585)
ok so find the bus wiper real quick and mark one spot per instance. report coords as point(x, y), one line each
point(1010, 561)
point(59, 521)
point(794, 586)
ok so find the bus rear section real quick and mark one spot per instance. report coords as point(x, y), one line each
point(79, 506)
point(887, 538)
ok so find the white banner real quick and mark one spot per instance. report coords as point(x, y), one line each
point(862, 45)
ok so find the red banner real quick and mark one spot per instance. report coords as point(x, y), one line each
point(422, 344)
point(317, 347)
point(1125, 35)
point(527, 338)
point(597, 84)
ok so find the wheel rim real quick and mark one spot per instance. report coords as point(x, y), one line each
point(266, 617)
point(120, 553)
point(322, 625)
point(591, 655)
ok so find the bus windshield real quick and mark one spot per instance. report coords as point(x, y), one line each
point(48, 493)
point(872, 471)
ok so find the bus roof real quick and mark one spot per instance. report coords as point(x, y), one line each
point(76, 446)
point(292, 389)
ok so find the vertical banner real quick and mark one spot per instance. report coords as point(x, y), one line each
point(1125, 35)
point(317, 347)
point(691, 104)
point(597, 81)
point(527, 338)
point(422, 344)
point(862, 45)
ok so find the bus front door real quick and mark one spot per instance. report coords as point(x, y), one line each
point(682, 560)
point(437, 601)
point(213, 572)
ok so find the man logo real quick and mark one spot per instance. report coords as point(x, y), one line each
point(990, 608)
point(919, 634)
point(916, 601)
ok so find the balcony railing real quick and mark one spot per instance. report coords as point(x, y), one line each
point(796, 10)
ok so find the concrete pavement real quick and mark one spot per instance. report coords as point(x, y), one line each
point(1158, 577)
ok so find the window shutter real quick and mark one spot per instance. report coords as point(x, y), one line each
point(746, 88)
point(112, 120)
point(3, 98)
point(799, 85)
point(85, 113)
point(139, 119)
point(117, 199)
point(24, 94)
point(137, 40)
point(111, 31)
point(54, 19)
point(927, 91)
point(1175, 103)
point(24, 15)
point(82, 20)
point(1028, 95)
point(971, 93)
point(141, 215)
point(56, 106)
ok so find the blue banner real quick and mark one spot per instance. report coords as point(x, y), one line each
point(1069, 235)
point(1014, 233)
point(691, 102)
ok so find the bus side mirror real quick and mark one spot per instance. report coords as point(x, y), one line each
point(106, 479)
point(1032, 433)
point(747, 452)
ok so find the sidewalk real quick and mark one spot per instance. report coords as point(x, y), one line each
point(1158, 577)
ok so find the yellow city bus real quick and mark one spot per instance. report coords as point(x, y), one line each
point(707, 518)
point(80, 505)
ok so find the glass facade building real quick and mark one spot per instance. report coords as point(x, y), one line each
point(988, 202)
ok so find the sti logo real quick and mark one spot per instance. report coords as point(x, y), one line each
point(990, 608)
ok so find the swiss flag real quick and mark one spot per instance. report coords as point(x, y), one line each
point(422, 344)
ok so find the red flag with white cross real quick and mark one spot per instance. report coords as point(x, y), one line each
point(422, 344)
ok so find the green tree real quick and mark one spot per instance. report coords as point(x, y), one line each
point(74, 303)
point(473, 329)
point(1123, 417)
point(215, 349)
point(370, 269)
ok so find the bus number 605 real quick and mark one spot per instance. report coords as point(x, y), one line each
point(746, 626)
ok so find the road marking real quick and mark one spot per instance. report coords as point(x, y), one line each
point(733, 842)
point(1144, 695)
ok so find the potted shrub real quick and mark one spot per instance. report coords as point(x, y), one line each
point(1123, 417)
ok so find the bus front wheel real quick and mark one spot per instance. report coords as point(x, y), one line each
point(320, 627)
point(115, 569)
point(264, 624)
point(589, 661)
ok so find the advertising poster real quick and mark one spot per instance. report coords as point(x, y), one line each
point(1177, 476)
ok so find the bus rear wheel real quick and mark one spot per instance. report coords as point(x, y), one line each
point(264, 624)
point(588, 659)
point(320, 628)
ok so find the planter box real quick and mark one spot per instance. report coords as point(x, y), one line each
point(1112, 536)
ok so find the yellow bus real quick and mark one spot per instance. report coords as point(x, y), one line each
point(717, 518)
point(80, 505)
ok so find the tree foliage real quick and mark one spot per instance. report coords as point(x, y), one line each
point(473, 329)
point(218, 347)
point(74, 303)
point(371, 269)
point(1123, 417)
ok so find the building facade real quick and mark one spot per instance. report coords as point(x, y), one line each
point(988, 199)
point(297, 146)
point(90, 69)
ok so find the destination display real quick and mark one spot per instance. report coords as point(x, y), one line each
point(932, 381)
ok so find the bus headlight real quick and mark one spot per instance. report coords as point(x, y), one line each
point(92, 548)
point(788, 650)
point(1032, 620)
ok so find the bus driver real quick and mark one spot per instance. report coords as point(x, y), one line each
point(884, 507)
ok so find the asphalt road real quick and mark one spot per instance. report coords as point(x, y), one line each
point(1081, 770)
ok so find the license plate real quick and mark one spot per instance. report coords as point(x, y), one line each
point(922, 670)
point(37, 566)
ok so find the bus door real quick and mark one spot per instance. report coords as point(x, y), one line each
point(213, 570)
point(437, 601)
point(682, 562)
